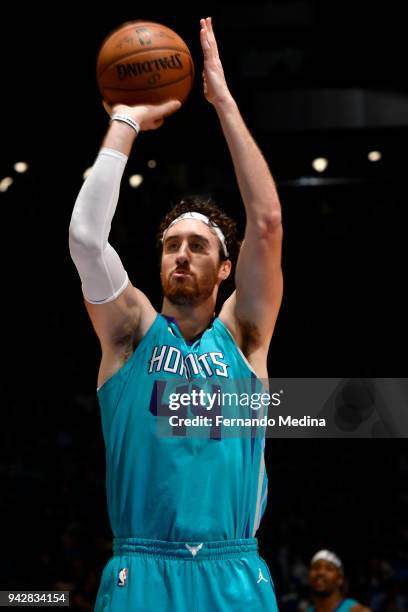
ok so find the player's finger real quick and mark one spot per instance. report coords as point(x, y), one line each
point(208, 41)
point(205, 43)
point(211, 35)
point(107, 107)
point(168, 108)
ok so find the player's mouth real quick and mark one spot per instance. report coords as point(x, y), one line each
point(320, 581)
point(180, 273)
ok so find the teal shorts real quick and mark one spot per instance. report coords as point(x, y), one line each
point(152, 575)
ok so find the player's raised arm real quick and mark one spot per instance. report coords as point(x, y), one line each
point(252, 310)
point(119, 311)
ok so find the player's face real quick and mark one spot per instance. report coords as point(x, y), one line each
point(325, 578)
point(191, 267)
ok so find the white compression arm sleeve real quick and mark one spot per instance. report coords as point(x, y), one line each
point(99, 266)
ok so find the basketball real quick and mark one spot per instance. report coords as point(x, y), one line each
point(142, 62)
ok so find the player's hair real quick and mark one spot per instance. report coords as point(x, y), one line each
point(206, 206)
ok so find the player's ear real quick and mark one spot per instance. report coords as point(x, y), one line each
point(225, 269)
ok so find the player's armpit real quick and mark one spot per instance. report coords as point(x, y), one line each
point(122, 321)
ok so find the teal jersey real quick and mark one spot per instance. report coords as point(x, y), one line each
point(344, 606)
point(179, 487)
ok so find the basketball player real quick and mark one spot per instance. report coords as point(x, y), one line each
point(327, 582)
point(184, 511)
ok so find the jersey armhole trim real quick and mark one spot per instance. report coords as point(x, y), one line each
point(244, 359)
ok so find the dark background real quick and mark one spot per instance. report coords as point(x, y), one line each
point(311, 79)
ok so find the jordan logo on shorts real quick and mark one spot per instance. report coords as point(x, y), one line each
point(122, 576)
point(194, 549)
point(261, 577)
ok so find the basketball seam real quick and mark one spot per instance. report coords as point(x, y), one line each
point(139, 23)
point(144, 51)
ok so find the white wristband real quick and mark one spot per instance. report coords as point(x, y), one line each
point(134, 124)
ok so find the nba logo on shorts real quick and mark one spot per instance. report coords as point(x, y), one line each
point(122, 577)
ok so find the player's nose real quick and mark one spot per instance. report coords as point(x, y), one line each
point(321, 574)
point(183, 253)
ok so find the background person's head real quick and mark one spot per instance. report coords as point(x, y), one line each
point(326, 574)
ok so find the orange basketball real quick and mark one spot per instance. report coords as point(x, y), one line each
point(142, 62)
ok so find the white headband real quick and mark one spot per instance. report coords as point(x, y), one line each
point(199, 217)
point(327, 555)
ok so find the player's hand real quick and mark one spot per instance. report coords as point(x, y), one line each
point(215, 85)
point(148, 116)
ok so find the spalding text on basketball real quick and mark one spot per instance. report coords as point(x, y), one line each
point(173, 62)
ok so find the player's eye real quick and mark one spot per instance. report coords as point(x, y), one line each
point(197, 246)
